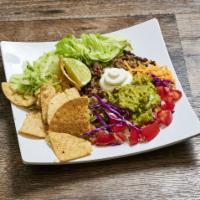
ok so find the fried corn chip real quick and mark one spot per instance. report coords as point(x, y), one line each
point(65, 84)
point(68, 147)
point(59, 99)
point(38, 101)
point(16, 98)
point(33, 125)
point(72, 117)
point(46, 94)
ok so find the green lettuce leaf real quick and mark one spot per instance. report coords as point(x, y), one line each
point(91, 47)
point(43, 70)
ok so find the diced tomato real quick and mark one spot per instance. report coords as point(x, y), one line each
point(161, 90)
point(167, 89)
point(120, 137)
point(118, 128)
point(150, 131)
point(167, 105)
point(134, 136)
point(104, 139)
point(126, 133)
point(175, 94)
point(167, 99)
point(113, 120)
point(165, 117)
point(166, 92)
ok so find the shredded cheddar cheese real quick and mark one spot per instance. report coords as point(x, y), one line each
point(162, 72)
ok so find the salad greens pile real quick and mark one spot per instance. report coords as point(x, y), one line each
point(44, 70)
point(91, 47)
point(88, 49)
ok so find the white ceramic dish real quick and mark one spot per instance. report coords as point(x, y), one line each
point(147, 41)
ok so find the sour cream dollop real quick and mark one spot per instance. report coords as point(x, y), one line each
point(113, 77)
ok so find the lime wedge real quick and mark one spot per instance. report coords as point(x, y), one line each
point(77, 71)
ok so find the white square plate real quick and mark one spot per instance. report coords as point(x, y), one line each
point(147, 41)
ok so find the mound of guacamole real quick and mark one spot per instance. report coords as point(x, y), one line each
point(140, 97)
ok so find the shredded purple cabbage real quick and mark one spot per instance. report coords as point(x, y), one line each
point(129, 124)
point(95, 106)
point(107, 106)
point(158, 82)
point(113, 112)
point(98, 129)
point(100, 119)
point(124, 112)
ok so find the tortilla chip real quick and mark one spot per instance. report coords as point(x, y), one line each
point(46, 94)
point(68, 147)
point(16, 98)
point(59, 99)
point(38, 101)
point(65, 84)
point(33, 125)
point(72, 117)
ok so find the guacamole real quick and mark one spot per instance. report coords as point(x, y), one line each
point(140, 97)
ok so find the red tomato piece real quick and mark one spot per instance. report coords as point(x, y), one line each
point(120, 137)
point(113, 120)
point(104, 139)
point(161, 90)
point(167, 99)
point(118, 128)
point(165, 117)
point(167, 105)
point(150, 131)
point(175, 94)
point(168, 95)
point(134, 136)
